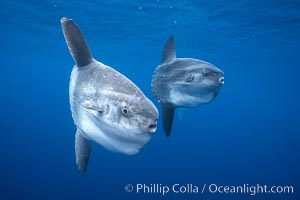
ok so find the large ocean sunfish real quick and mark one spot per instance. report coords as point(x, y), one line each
point(183, 83)
point(107, 107)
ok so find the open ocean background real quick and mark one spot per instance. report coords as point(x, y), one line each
point(250, 134)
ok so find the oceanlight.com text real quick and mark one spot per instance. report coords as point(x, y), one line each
point(194, 189)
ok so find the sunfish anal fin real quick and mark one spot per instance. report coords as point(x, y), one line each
point(76, 42)
point(167, 118)
point(82, 151)
point(169, 50)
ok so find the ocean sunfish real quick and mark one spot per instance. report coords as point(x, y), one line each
point(107, 107)
point(183, 83)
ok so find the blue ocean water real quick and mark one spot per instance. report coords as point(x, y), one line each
point(248, 135)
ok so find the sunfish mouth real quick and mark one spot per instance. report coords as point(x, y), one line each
point(152, 127)
point(221, 80)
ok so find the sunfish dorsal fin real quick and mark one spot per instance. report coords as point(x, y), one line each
point(167, 118)
point(169, 50)
point(76, 42)
point(82, 151)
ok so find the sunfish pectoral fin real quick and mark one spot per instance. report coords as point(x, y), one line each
point(76, 42)
point(92, 105)
point(169, 50)
point(167, 118)
point(82, 151)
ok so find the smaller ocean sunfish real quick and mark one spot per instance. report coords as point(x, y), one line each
point(106, 106)
point(183, 83)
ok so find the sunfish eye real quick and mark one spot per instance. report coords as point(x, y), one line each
point(125, 111)
point(205, 73)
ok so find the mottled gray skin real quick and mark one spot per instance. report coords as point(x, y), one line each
point(110, 110)
point(183, 83)
point(107, 107)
